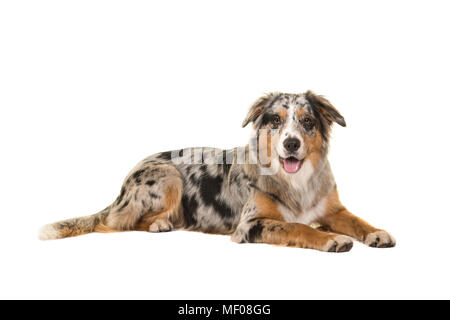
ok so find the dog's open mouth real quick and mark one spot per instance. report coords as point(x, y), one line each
point(291, 164)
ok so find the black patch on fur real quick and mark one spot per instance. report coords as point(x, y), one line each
point(154, 195)
point(124, 205)
point(190, 206)
point(227, 154)
point(165, 155)
point(266, 119)
point(270, 195)
point(308, 108)
point(227, 166)
point(137, 175)
point(150, 182)
point(226, 169)
point(254, 233)
point(276, 227)
point(121, 195)
point(193, 179)
point(210, 188)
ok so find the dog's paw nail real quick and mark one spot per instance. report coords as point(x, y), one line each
point(380, 239)
point(339, 244)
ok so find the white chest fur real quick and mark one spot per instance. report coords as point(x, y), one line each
point(299, 182)
point(307, 216)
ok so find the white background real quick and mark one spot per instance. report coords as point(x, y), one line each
point(89, 88)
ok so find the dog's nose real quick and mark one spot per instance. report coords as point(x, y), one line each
point(291, 144)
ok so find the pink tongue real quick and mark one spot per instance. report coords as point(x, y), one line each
point(291, 165)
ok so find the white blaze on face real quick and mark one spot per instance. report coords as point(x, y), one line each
point(290, 130)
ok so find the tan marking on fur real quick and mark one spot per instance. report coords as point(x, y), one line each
point(172, 201)
point(171, 212)
point(338, 219)
point(104, 229)
point(276, 231)
point(314, 145)
point(296, 235)
point(300, 112)
point(267, 207)
point(283, 114)
point(254, 113)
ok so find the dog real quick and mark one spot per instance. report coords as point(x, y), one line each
point(278, 189)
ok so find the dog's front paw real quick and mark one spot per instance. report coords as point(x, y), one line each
point(380, 239)
point(338, 244)
point(160, 225)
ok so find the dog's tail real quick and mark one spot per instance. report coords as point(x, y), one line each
point(75, 227)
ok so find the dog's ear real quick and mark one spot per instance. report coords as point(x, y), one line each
point(325, 108)
point(257, 108)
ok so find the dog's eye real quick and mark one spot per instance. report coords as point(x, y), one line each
point(308, 123)
point(276, 120)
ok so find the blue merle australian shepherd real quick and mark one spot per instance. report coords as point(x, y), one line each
point(278, 189)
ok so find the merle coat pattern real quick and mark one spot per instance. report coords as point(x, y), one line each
point(213, 191)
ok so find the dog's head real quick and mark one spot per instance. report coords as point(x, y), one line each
point(292, 128)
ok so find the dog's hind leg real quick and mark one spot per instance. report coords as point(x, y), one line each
point(150, 200)
point(167, 219)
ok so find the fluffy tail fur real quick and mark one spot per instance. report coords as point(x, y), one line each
point(75, 227)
